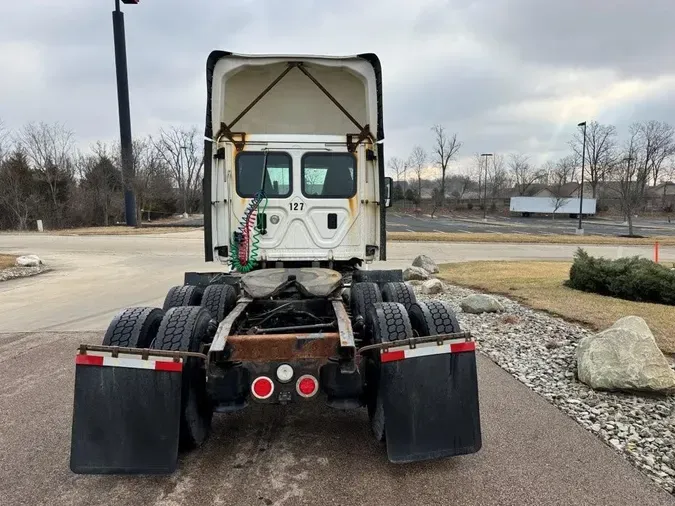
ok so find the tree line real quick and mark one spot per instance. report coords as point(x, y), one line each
point(643, 157)
point(44, 176)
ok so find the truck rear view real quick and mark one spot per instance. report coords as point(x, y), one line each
point(295, 200)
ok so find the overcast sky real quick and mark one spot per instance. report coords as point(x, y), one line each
point(506, 75)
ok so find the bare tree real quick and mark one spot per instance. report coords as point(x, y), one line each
point(565, 169)
point(180, 150)
point(633, 172)
point(50, 149)
point(524, 174)
point(600, 151)
point(444, 150)
point(558, 175)
point(462, 184)
point(658, 144)
point(5, 142)
point(497, 176)
point(418, 161)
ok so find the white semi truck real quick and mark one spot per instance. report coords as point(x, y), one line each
point(294, 202)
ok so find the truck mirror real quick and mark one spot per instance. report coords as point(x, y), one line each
point(388, 191)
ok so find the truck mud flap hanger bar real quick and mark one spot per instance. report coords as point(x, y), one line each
point(429, 392)
point(239, 138)
point(126, 413)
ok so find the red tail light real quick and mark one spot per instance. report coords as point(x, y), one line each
point(262, 387)
point(307, 385)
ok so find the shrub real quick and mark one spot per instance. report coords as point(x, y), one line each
point(631, 278)
point(469, 206)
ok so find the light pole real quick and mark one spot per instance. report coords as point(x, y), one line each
point(486, 155)
point(580, 230)
point(124, 112)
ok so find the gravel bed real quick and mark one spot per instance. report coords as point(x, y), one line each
point(539, 350)
point(21, 272)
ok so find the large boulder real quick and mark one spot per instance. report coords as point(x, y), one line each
point(624, 357)
point(413, 273)
point(432, 286)
point(479, 303)
point(28, 261)
point(636, 324)
point(426, 263)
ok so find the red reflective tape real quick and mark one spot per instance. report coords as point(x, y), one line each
point(392, 356)
point(164, 365)
point(460, 347)
point(88, 360)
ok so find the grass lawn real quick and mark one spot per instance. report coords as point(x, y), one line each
point(539, 285)
point(7, 261)
point(526, 238)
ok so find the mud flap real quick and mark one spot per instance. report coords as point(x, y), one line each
point(430, 405)
point(126, 416)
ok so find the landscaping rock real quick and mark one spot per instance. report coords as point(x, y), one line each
point(426, 263)
point(28, 261)
point(415, 282)
point(620, 358)
point(432, 287)
point(479, 303)
point(415, 273)
point(636, 324)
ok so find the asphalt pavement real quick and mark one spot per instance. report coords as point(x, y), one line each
point(399, 222)
point(532, 453)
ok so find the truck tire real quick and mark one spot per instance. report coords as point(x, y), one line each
point(219, 300)
point(433, 317)
point(186, 295)
point(399, 292)
point(362, 296)
point(134, 327)
point(184, 329)
point(386, 322)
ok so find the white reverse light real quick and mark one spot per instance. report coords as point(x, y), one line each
point(284, 373)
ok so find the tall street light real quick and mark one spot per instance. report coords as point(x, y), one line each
point(486, 155)
point(124, 112)
point(580, 230)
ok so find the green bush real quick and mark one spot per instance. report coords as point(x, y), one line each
point(631, 278)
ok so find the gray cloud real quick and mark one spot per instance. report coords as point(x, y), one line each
point(506, 75)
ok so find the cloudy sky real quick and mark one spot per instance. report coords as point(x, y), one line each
point(506, 75)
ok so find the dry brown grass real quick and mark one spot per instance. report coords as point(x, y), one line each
point(540, 285)
point(7, 261)
point(527, 239)
point(121, 230)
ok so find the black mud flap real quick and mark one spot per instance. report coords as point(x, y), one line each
point(125, 419)
point(431, 407)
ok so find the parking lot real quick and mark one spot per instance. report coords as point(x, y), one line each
point(532, 453)
point(399, 222)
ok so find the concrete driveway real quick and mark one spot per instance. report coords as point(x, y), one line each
point(532, 454)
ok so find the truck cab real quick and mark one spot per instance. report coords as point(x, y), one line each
point(304, 134)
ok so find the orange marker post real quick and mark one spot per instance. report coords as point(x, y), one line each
point(656, 252)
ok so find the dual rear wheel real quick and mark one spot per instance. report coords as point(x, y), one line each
point(393, 314)
point(183, 324)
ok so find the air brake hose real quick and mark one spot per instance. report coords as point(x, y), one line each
point(241, 259)
point(243, 247)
